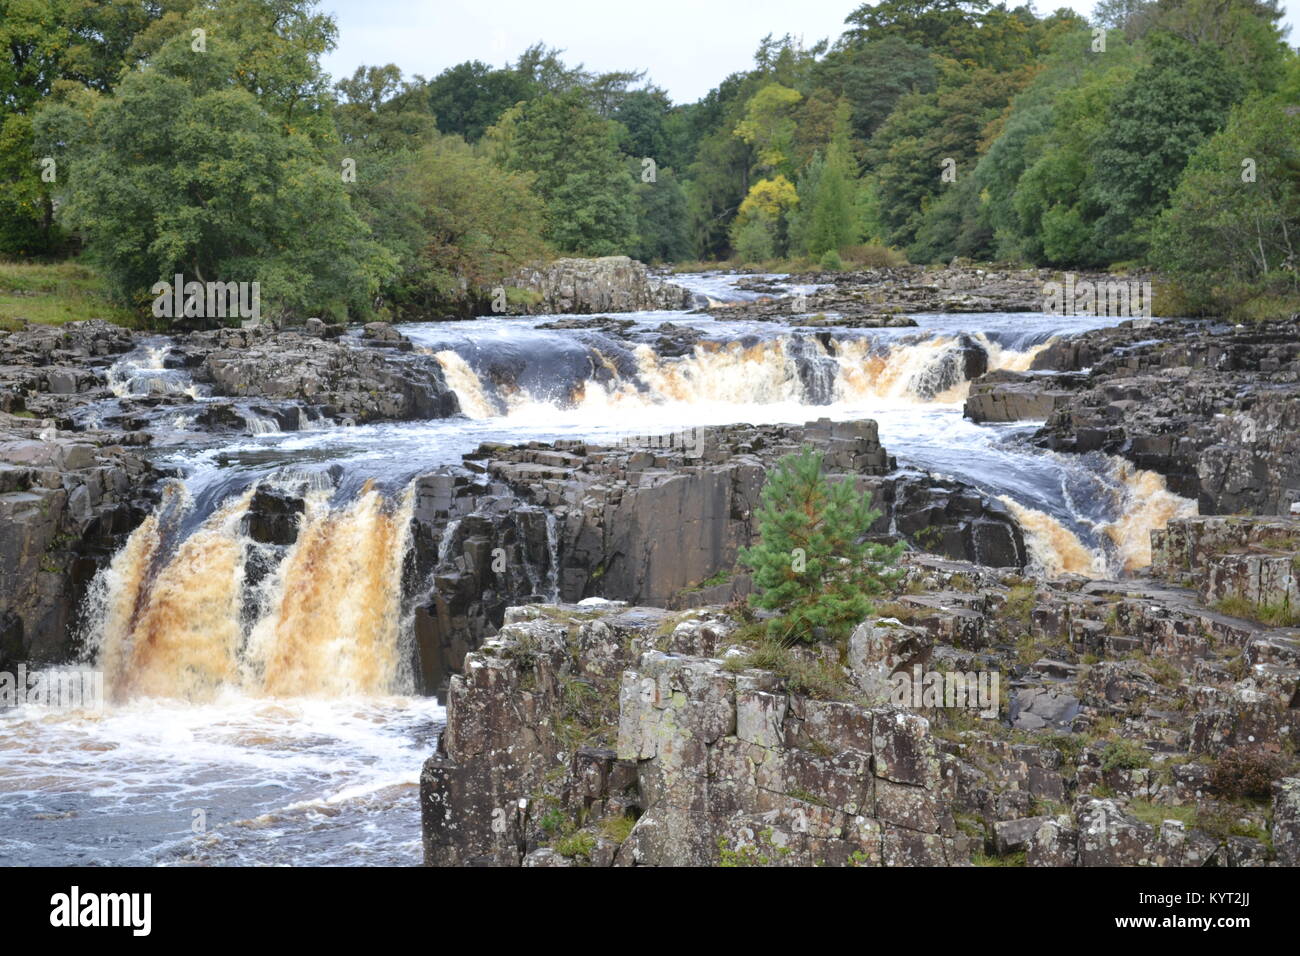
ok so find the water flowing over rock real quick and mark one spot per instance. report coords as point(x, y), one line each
point(344, 382)
point(650, 522)
point(1215, 408)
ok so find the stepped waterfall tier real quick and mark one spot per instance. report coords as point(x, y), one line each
point(304, 577)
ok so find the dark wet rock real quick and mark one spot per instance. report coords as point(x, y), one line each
point(602, 323)
point(649, 522)
point(866, 321)
point(348, 383)
point(1214, 408)
point(273, 516)
point(67, 503)
point(950, 518)
point(1003, 396)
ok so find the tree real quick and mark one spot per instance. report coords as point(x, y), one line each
point(833, 216)
point(764, 213)
point(470, 225)
point(662, 220)
point(187, 170)
point(769, 128)
point(872, 76)
point(812, 562)
point(1153, 126)
point(470, 97)
point(48, 46)
point(379, 113)
point(573, 154)
point(1230, 227)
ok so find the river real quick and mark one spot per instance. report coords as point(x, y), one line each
point(281, 727)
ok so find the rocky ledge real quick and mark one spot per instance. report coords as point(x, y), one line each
point(315, 373)
point(1213, 407)
point(1135, 726)
point(378, 378)
point(609, 284)
point(883, 297)
point(657, 521)
point(67, 503)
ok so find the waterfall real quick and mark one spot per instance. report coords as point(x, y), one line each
point(1142, 503)
point(446, 541)
point(553, 559)
point(794, 368)
point(259, 424)
point(167, 619)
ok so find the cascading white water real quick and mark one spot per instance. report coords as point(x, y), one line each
point(276, 701)
point(170, 623)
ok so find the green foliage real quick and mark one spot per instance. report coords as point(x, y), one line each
point(470, 97)
point(578, 845)
point(809, 676)
point(617, 829)
point(1124, 754)
point(1153, 126)
point(1230, 227)
point(812, 563)
point(260, 205)
point(459, 223)
point(762, 852)
point(578, 172)
point(49, 45)
point(1274, 615)
point(662, 217)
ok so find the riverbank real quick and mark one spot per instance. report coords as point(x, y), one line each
point(334, 515)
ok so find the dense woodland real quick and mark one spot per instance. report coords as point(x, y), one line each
point(202, 137)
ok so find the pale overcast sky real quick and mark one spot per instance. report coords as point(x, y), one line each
point(688, 46)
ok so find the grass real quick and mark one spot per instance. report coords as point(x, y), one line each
point(1020, 604)
point(1274, 615)
point(1154, 814)
point(818, 678)
point(56, 293)
point(617, 829)
point(577, 845)
point(1279, 543)
point(1011, 859)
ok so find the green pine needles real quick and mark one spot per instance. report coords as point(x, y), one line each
point(812, 563)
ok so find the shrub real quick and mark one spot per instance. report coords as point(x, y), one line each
point(1246, 772)
point(1123, 755)
point(873, 256)
point(812, 563)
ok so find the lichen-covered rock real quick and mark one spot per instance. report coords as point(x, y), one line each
point(1286, 821)
point(878, 649)
point(608, 284)
point(1110, 837)
point(1054, 843)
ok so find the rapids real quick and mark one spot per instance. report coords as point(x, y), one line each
point(276, 723)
